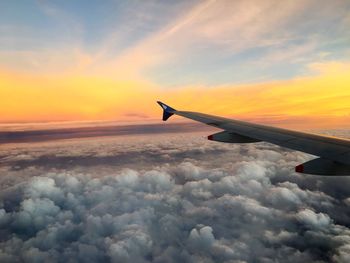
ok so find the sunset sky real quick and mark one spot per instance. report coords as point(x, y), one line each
point(284, 63)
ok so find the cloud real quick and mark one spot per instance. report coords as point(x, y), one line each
point(170, 199)
point(313, 220)
point(48, 131)
point(211, 31)
point(134, 43)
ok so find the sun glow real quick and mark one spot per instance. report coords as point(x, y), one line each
point(230, 58)
point(320, 101)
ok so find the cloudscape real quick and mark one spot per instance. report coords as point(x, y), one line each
point(170, 199)
point(89, 172)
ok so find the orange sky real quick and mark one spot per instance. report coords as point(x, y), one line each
point(243, 59)
point(316, 101)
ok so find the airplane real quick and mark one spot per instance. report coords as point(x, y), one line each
point(333, 153)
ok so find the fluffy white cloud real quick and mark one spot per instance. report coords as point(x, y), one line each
point(220, 203)
point(313, 220)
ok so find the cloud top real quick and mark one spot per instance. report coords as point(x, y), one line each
point(248, 207)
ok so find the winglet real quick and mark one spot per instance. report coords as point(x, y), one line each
point(167, 110)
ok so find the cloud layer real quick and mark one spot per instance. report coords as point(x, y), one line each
point(170, 199)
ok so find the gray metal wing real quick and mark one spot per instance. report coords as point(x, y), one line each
point(334, 153)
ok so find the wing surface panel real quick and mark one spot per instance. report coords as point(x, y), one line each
point(323, 146)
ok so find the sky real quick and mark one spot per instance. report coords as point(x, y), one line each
point(283, 63)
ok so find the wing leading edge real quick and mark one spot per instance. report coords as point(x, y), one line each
point(334, 153)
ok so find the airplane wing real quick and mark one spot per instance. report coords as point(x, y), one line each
point(334, 153)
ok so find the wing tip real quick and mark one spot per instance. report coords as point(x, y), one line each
point(167, 110)
point(165, 107)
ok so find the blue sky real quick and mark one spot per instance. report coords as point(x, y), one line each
point(195, 42)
